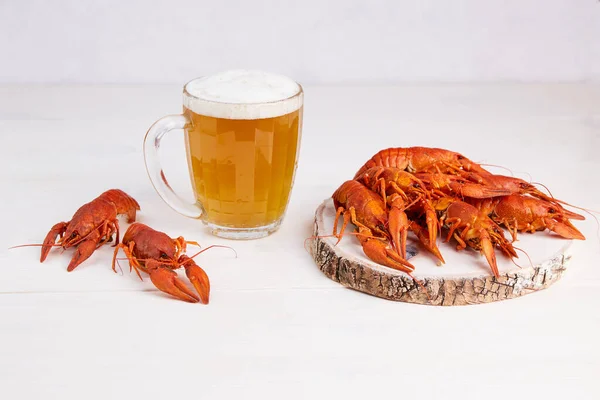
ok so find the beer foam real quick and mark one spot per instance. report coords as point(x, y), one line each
point(243, 94)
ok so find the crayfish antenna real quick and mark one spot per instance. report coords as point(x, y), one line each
point(210, 247)
point(542, 185)
point(499, 166)
point(34, 245)
point(316, 237)
point(420, 285)
point(571, 214)
point(588, 211)
point(524, 252)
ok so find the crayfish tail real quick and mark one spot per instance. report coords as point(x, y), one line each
point(124, 203)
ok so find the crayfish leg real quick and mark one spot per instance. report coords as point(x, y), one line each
point(133, 262)
point(461, 243)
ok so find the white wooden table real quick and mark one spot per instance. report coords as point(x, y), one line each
point(276, 327)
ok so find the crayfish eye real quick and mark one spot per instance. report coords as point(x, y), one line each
point(551, 210)
point(73, 235)
point(164, 255)
point(416, 185)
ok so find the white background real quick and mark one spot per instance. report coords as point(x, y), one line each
point(276, 327)
point(338, 41)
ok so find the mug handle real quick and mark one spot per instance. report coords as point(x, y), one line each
point(151, 145)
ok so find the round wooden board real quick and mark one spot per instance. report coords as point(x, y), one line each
point(464, 279)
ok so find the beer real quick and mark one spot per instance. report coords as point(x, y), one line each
point(242, 143)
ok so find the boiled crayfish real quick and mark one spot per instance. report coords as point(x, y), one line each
point(422, 190)
point(147, 250)
point(92, 225)
point(365, 209)
point(158, 255)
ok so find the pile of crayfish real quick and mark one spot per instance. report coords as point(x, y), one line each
point(153, 252)
point(424, 190)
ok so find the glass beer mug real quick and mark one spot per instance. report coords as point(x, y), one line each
point(242, 135)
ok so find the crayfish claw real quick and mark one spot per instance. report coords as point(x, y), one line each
point(571, 215)
point(564, 229)
point(424, 237)
point(83, 251)
point(166, 280)
point(380, 251)
point(57, 230)
point(432, 228)
point(487, 248)
point(398, 227)
point(197, 277)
